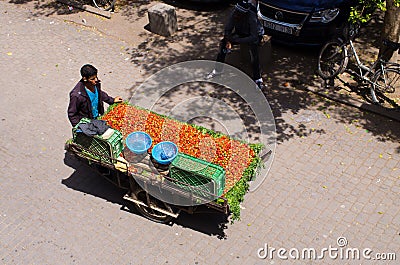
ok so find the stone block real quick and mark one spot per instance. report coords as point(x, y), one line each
point(162, 19)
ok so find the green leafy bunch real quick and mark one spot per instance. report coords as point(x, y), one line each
point(363, 12)
point(365, 9)
point(235, 196)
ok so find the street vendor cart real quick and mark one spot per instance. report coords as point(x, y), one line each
point(160, 192)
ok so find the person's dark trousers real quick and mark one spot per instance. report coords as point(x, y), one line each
point(223, 51)
point(253, 48)
point(255, 60)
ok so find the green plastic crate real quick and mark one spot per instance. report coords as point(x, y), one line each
point(198, 173)
point(101, 148)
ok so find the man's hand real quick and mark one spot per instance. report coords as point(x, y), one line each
point(228, 45)
point(118, 100)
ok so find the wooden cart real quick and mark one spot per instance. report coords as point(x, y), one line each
point(141, 178)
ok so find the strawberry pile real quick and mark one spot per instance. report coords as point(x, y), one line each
point(232, 155)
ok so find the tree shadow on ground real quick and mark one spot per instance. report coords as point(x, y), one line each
point(290, 74)
point(135, 10)
point(299, 70)
point(197, 38)
point(48, 7)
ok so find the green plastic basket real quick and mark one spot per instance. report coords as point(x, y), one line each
point(207, 178)
point(99, 148)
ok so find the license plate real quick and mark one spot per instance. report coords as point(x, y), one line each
point(278, 27)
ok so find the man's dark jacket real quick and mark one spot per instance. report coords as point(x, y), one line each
point(80, 105)
point(246, 30)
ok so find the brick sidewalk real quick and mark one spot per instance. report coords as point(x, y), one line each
point(336, 170)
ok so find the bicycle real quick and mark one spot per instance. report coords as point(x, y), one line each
point(382, 77)
point(105, 5)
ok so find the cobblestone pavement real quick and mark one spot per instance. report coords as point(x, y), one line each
point(336, 171)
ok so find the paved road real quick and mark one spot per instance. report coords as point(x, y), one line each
point(336, 171)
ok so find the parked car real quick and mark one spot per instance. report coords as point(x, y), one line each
point(303, 22)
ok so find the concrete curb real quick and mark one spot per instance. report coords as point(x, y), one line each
point(391, 114)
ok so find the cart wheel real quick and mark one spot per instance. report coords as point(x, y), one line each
point(152, 214)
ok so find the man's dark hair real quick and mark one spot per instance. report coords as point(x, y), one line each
point(88, 70)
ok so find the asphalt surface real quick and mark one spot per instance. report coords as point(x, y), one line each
point(335, 175)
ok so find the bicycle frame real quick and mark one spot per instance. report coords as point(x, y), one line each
point(361, 66)
point(383, 65)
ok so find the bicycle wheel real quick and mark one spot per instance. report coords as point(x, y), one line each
point(104, 4)
point(385, 89)
point(332, 59)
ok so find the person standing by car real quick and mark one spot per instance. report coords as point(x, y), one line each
point(86, 98)
point(243, 27)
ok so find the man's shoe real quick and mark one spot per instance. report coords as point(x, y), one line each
point(260, 85)
point(213, 74)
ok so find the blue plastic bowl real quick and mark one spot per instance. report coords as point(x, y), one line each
point(138, 142)
point(164, 152)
